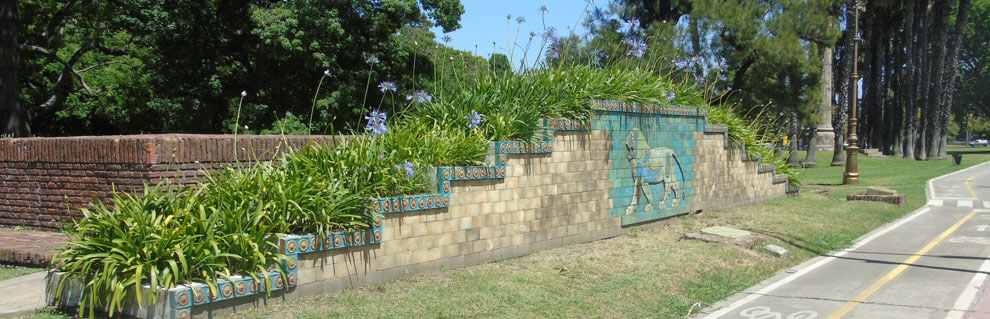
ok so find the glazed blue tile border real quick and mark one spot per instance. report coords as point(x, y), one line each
point(458, 173)
point(766, 168)
point(780, 178)
point(562, 124)
point(615, 106)
point(182, 298)
point(410, 203)
point(518, 147)
point(716, 128)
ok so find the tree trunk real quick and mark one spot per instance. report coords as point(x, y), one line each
point(17, 122)
point(904, 85)
point(843, 83)
point(792, 157)
point(952, 68)
point(811, 158)
point(940, 30)
point(890, 124)
point(923, 51)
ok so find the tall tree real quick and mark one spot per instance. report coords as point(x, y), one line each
point(17, 121)
point(974, 80)
point(844, 84)
point(940, 36)
point(110, 67)
point(906, 83)
point(949, 80)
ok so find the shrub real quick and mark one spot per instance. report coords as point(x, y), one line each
point(155, 239)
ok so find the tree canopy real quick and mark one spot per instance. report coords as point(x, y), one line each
point(109, 67)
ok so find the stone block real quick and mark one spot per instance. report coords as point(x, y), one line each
point(777, 251)
point(726, 232)
point(898, 199)
point(877, 190)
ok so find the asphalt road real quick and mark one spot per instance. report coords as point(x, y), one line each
point(933, 263)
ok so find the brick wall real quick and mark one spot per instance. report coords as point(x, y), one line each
point(40, 178)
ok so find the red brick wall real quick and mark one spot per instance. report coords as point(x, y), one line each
point(40, 178)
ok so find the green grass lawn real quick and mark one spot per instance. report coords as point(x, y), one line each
point(10, 272)
point(649, 273)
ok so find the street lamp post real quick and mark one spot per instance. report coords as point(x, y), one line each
point(851, 176)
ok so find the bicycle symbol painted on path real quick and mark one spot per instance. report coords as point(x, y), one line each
point(764, 312)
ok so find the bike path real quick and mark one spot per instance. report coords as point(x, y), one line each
point(932, 263)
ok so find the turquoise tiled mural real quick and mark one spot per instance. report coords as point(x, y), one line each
point(652, 162)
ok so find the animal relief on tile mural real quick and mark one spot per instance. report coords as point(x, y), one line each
point(651, 167)
point(652, 157)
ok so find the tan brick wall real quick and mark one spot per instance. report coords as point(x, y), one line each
point(545, 201)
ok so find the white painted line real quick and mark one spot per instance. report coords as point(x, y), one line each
point(964, 203)
point(880, 232)
point(969, 294)
point(930, 190)
point(934, 202)
point(802, 272)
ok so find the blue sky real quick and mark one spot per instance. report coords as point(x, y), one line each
point(484, 21)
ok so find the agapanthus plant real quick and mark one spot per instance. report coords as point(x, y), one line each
point(376, 123)
point(637, 48)
point(387, 86)
point(474, 119)
point(419, 97)
point(408, 166)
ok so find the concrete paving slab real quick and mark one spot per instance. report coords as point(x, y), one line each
point(877, 190)
point(28, 248)
point(731, 233)
point(22, 294)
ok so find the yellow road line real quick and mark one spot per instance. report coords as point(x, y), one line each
point(849, 306)
point(969, 187)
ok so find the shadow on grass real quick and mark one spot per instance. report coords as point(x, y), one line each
point(799, 243)
point(823, 184)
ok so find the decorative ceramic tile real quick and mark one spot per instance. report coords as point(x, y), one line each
point(766, 168)
point(780, 178)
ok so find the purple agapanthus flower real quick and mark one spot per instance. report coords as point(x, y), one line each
point(553, 53)
point(671, 96)
point(520, 19)
point(637, 47)
point(474, 119)
point(550, 34)
point(634, 23)
point(446, 39)
point(373, 59)
point(408, 167)
point(387, 86)
point(376, 123)
point(544, 10)
point(419, 97)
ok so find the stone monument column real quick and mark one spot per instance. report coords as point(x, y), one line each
point(825, 134)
